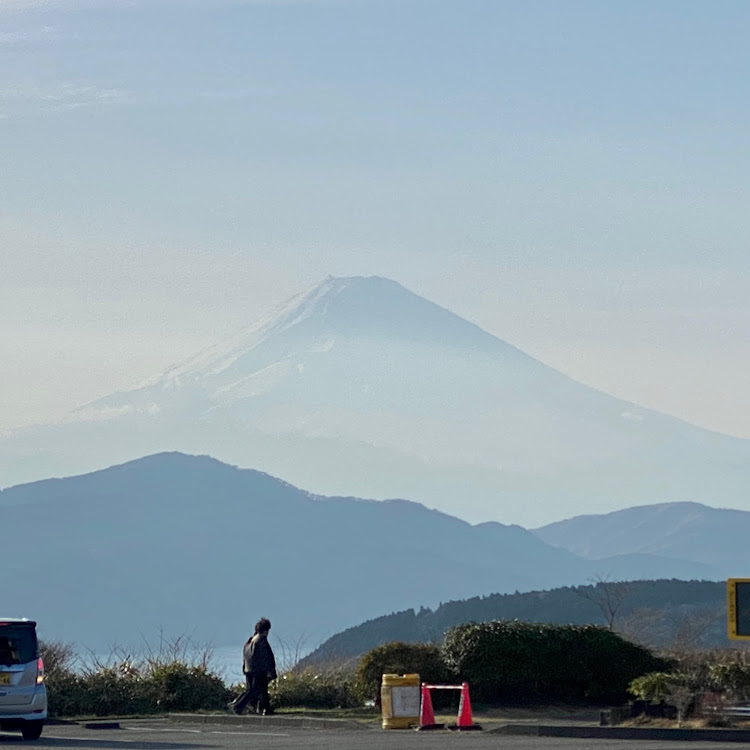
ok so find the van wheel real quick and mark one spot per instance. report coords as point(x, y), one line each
point(32, 730)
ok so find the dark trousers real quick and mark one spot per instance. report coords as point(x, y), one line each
point(256, 693)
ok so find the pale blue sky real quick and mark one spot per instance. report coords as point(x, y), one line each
point(573, 176)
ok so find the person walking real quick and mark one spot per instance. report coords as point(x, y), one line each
point(259, 667)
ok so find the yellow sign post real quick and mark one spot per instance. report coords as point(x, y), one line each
point(738, 608)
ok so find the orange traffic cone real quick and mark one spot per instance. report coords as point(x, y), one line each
point(465, 720)
point(426, 714)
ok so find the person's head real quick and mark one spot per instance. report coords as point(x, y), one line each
point(263, 626)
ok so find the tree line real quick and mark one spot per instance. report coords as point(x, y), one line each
point(661, 613)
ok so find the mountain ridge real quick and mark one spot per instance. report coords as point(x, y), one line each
point(360, 387)
point(189, 544)
point(665, 529)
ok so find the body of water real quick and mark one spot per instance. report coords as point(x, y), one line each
point(227, 662)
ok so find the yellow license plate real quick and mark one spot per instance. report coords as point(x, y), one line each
point(4, 678)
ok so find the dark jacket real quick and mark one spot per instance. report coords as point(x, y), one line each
point(257, 656)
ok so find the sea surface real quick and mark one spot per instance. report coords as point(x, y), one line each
point(226, 661)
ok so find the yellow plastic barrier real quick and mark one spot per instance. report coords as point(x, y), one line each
point(399, 697)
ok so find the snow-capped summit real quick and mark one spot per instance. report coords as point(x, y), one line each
point(360, 387)
point(333, 329)
point(341, 309)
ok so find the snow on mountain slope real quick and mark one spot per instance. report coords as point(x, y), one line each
point(364, 359)
point(361, 387)
point(351, 322)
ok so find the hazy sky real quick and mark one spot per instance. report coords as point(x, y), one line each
point(572, 176)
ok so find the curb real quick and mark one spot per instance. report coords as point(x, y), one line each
point(275, 721)
point(624, 733)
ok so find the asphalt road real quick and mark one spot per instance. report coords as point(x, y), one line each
point(161, 735)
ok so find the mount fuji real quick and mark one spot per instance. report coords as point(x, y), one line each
point(360, 387)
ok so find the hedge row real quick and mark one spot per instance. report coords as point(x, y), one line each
point(129, 688)
point(503, 661)
point(307, 688)
point(520, 662)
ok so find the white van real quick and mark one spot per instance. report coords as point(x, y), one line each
point(23, 696)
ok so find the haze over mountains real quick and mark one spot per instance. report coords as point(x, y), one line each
point(360, 387)
point(677, 530)
point(186, 545)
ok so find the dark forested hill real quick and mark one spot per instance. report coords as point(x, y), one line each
point(659, 612)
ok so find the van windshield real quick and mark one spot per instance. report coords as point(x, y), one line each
point(18, 644)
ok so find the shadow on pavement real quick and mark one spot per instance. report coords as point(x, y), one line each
point(85, 744)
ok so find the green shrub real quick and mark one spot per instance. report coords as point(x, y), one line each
point(732, 678)
point(309, 688)
point(423, 659)
point(67, 694)
point(677, 689)
point(522, 662)
point(63, 688)
point(653, 687)
point(165, 681)
point(177, 686)
point(116, 691)
point(725, 672)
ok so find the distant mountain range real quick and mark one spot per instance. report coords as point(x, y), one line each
point(360, 387)
point(682, 531)
point(188, 545)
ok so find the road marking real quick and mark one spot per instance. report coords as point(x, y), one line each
point(253, 734)
point(153, 729)
point(205, 731)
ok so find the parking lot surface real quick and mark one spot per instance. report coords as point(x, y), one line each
point(160, 734)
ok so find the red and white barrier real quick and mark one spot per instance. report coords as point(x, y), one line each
point(464, 720)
